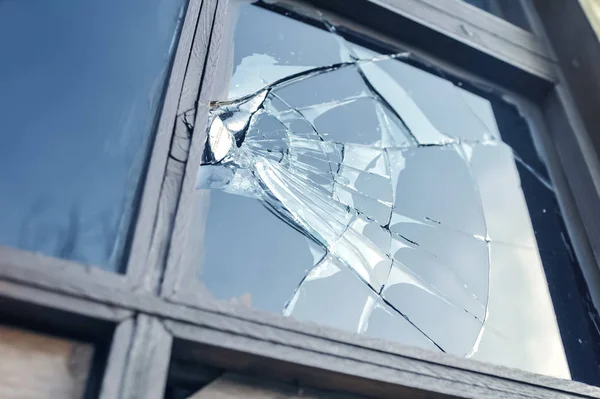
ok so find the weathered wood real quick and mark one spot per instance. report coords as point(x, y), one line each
point(171, 190)
point(376, 374)
point(60, 268)
point(577, 159)
point(195, 69)
point(49, 299)
point(571, 111)
point(256, 334)
point(114, 372)
point(471, 75)
point(486, 47)
point(165, 217)
point(578, 50)
point(181, 253)
point(492, 24)
point(186, 112)
point(234, 386)
point(148, 362)
point(144, 266)
point(235, 327)
point(59, 276)
point(35, 366)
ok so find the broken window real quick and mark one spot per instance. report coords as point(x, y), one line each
point(81, 84)
point(361, 189)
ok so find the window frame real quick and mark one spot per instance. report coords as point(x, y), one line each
point(151, 307)
point(149, 232)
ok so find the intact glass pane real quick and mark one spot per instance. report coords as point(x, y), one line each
point(81, 83)
point(348, 185)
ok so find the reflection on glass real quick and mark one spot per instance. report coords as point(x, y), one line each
point(366, 194)
point(81, 83)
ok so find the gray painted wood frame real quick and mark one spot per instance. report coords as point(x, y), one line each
point(148, 361)
point(576, 101)
point(114, 372)
point(249, 341)
point(161, 189)
point(144, 325)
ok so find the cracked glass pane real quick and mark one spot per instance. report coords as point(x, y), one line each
point(361, 190)
point(81, 84)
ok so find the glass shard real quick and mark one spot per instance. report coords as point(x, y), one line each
point(449, 199)
point(276, 48)
point(269, 284)
point(417, 299)
point(331, 294)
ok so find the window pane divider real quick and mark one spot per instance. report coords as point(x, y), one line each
point(153, 224)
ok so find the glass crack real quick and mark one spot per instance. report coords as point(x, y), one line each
point(342, 186)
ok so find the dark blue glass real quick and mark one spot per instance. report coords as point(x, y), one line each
point(81, 84)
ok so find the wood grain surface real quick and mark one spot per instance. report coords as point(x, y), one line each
point(35, 366)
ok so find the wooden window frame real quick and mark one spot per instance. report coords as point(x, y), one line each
point(153, 308)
